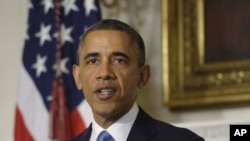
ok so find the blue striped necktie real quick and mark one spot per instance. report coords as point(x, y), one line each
point(105, 136)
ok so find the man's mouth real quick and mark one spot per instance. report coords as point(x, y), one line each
point(105, 93)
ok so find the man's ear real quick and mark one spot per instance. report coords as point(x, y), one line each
point(144, 76)
point(77, 77)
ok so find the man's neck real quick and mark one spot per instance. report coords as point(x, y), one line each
point(107, 121)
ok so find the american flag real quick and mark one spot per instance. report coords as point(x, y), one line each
point(54, 29)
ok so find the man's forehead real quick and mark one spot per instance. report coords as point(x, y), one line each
point(124, 45)
point(104, 33)
point(110, 44)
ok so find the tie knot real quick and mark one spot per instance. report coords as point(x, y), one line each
point(105, 136)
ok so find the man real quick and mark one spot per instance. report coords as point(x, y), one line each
point(111, 68)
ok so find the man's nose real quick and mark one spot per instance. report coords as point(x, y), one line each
point(106, 72)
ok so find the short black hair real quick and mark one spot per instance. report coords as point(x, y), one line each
point(111, 24)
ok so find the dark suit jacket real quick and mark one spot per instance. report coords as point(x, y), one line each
point(146, 128)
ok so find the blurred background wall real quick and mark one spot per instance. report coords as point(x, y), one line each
point(145, 16)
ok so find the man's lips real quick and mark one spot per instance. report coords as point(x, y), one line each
point(105, 92)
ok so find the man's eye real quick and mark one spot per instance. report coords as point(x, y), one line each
point(119, 60)
point(91, 61)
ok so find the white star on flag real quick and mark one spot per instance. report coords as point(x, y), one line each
point(85, 28)
point(65, 34)
point(43, 34)
point(39, 66)
point(62, 65)
point(30, 6)
point(68, 6)
point(27, 35)
point(89, 5)
point(47, 5)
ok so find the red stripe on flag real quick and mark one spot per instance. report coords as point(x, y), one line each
point(77, 124)
point(21, 132)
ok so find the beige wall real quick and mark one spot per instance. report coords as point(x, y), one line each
point(145, 17)
point(12, 32)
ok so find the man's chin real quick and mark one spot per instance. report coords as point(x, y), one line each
point(104, 110)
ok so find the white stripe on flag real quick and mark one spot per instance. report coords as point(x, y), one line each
point(85, 112)
point(35, 115)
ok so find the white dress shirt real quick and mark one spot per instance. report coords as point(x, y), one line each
point(118, 130)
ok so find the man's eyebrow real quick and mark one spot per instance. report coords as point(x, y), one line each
point(91, 54)
point(117, 53)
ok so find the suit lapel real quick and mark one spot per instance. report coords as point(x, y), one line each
point(143, 128)
point(85, 136)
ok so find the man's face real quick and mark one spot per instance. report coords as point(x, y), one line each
point(108, 73)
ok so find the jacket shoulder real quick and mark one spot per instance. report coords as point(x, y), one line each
point(172, 132)
point(152, 129)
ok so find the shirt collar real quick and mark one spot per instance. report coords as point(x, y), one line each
point(120, 129)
